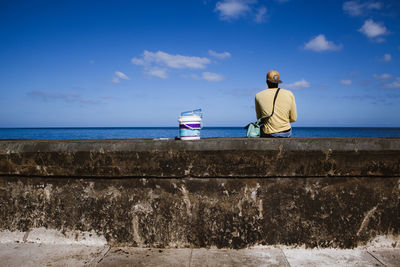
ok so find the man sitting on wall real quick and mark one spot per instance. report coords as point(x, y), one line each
point(284, 112)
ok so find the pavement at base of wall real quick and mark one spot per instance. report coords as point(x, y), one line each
point(34, 254)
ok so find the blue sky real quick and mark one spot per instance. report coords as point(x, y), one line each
point(141, 63)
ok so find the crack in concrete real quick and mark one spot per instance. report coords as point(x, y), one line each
point(373, 256)
point(284, 257)
point(190, 257)
point(366, 220)
point(102, 254)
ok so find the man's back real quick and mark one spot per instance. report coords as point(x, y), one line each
point(285, 109)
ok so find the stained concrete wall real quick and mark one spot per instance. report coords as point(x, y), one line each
point(225, 192)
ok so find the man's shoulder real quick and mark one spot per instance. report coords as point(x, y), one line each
point(263, 92)
point(286, 91)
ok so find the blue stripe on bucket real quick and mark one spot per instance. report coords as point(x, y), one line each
point(189, 133)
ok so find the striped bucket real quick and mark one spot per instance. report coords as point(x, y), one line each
point(189, 127)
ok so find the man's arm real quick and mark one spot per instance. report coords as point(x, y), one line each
point(293, 110)
point(258, 109)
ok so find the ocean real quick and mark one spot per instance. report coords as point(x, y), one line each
point(172, 132)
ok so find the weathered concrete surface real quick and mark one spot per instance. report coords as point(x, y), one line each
point(242, 257)
point(222, 192)
point(388, 257)
point(147, 257)
point(194, 257)
point(214, 157)
point(17, 255)
point(12, 254)
point(330, 257)
point(234, 213)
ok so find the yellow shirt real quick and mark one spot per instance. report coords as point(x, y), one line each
point(285, 109)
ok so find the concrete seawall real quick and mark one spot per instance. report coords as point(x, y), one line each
point(223, 192)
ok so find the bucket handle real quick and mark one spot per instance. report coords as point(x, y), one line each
point(191, 127)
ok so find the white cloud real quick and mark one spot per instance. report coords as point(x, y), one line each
point(395, 84)
point(212, 77)
point(387, 57)
point(383, 77)
point(298, 85)
point(157, 64)
point(261, 14)
point(355, 8)
point(346, 82)
point(118, 76)
point(121, 75)
point(139, 61)
point(232, 9)
point(222, 55)
point(158, 72)
point(319, 44)
point(172, 61)
point(372, 29)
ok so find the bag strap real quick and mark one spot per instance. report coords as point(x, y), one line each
point(273, 107)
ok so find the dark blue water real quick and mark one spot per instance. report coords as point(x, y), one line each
point(171, 132)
